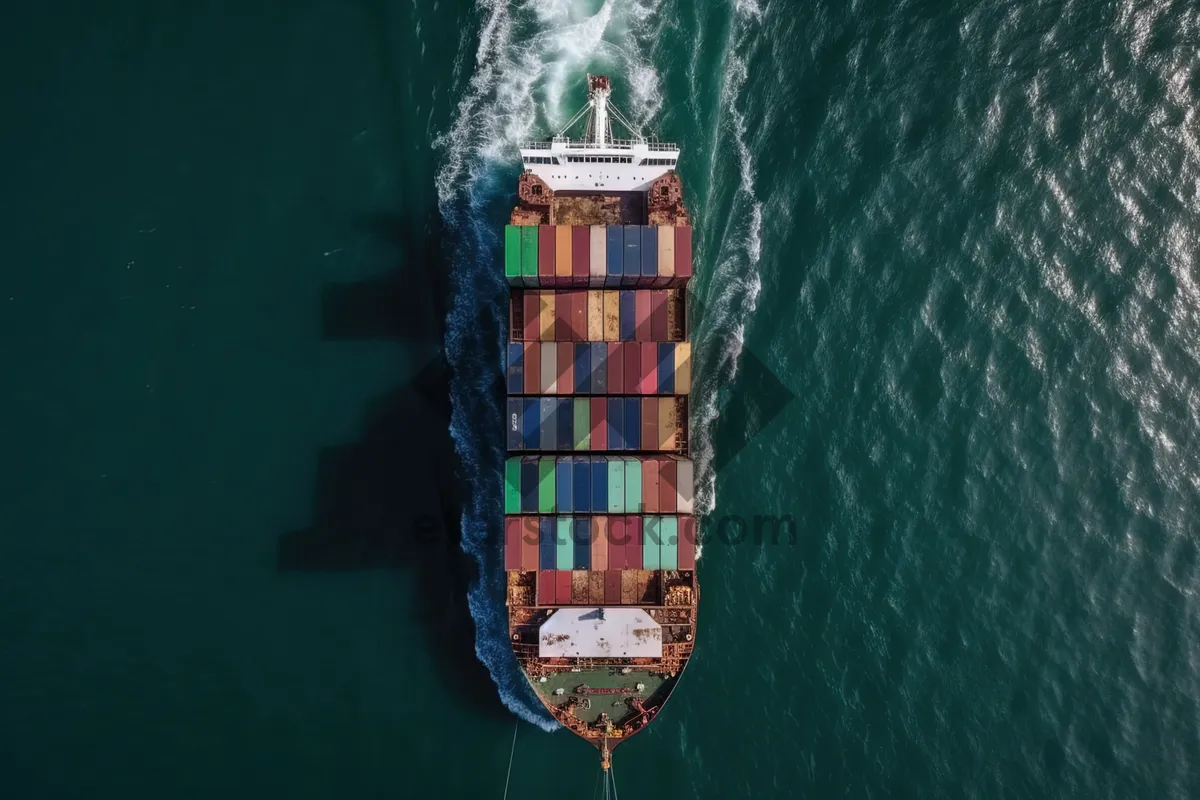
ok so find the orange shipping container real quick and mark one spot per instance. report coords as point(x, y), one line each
point(612, 317)
point(532, 314)
point(666, 256)
point(546, 316)
point(579, 310)
point(641, 315)
point(599, 542)
point(595, 316)
point(683, 368)
point(650, 485)
point(668, 423)
point(562, 256)
point(668, 481)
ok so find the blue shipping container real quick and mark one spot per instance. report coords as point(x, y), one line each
point(562, 479)
point(650, 252)
point(616, 423)
point(546, 424)
point(516, 440)
point(566, 423)
point(581, 482)
point(583, 542)
point(599, 484)
point(633, 423)
point(627, 315)
point(631, 265)
point(583, 367)
point(516, 372)
point(546, 547)
point(666, 367)
point(614, 248)
point(599, 368)
point(529, 487)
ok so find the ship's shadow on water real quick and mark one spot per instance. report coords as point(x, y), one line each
point(393, 499)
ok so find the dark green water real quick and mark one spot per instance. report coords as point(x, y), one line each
point(251, 326)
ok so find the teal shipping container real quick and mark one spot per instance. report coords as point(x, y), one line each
point(564, 543)
point(633, 486)
point(616, 486)
point(669, 548)
point(651, 538)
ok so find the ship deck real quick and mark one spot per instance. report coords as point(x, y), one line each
point(615, 704)
point(596, 208)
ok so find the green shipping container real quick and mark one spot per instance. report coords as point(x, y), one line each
point(633, 487)
point(564, 547)
point(546, 486)
point(529, 252)
point(583, 425)
point(512, 253)
point(616, 486)
point(651, 535)
point(512, 486)
point(669, 549)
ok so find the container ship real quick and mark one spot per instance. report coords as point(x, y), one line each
point(599, 532)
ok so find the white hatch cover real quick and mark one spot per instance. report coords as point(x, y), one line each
point(600, 633)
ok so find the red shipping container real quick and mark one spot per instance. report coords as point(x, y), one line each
point(532, 310)
point(649, 422)
point(668, 483)
point(581, 254)
point(598, 409)
point(658, 315)
point(612, 587)
point(545, 587)
point(687, 542)
point(633, 546)
point(648, 381)
point(683, 254)
point(533, 368)
point(633, 367)
point(616, 542)
point(579, 328)
point(562, 315)
point(546, 255)
point(562, 587)
point(650, 485)
point(616, 368)
point(512, 543)
point(529, 543)
point(566, 367)
point(641, 316)
point(599, 532)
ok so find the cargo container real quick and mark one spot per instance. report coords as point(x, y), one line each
point(595, 315)
point(616, 368)
point(649, 421)
point(616, 485)
point(666, 257)
point(650, 485)
point(533, 367)
point(565, 437)
point(683, 254)
point(628, 587)
point(633, 368)
point(649, 256)
point(599, 536)
point(547, 491)
point(651, 542)
point(530, 424)
point(515, 436)
point(549, 367)
point(614, 255)
point(562, 587)
point(545, 255)
point(512, 486)
point(599, 368)
point(668, 550)
point(581, 255)
point(546, 317)
point(512, 254)
point(599, 492)
point(686, 488)
point(633, 542)
point(565, 356)
point(529, 255)
point(512, 543)
point(548, 411)
point(687, 542)
point(597, 258)
point(529, 543)
point(612, 586)
point(531, 315)
point(598, 411)
point(658, 316)
point(668, 425)
point(666, 368)
point(633, 486)
point(581, 424)
point(563, 493)
point(564, 543)
point(545, 588)
point(579, 587)
point(627, 301)
point(582, 531)
point(612, 315)
point(616, 542)
point(633, 423)
point(668, 498)
point(616, 423)
point(562, 255)
point(582, 370)
point(595, 587)
point(562, 315)
point(648, 376)
point(641, 316)
point(529, 485)
point(683, 368)
point(631, 266)
point(547, 551)
point(516, 368)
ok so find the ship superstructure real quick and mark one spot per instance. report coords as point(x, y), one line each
point(600, 537)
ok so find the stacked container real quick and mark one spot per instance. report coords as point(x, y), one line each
point(598, 490)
